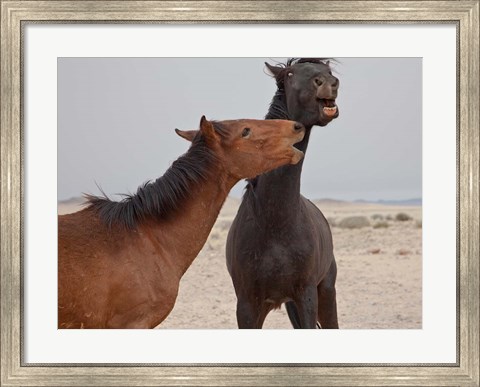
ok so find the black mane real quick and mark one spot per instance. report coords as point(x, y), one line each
point(278, 107)
point(162, 197)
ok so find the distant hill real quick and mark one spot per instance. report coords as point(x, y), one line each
point(72, 200)
point(406, 202)
point(328, 201)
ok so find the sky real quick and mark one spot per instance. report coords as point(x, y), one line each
point(116, 121)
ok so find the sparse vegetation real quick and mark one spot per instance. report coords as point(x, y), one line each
point(381, 224)
point(402, 217)
point(353, 222)
point(389, 217)
point(377, 217)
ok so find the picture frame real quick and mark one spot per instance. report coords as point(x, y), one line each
point(463, 14)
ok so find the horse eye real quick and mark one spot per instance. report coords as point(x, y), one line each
point(246, 132)
point(290, 74)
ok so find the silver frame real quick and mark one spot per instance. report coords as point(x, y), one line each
point(463, 13)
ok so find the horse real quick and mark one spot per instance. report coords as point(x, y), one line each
point(279, 248)
point(120, 263)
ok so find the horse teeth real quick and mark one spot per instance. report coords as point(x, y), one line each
point(330, 111)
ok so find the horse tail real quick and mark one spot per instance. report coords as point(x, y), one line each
point(293, 315)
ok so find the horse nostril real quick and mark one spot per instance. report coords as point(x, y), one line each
point(298, 126)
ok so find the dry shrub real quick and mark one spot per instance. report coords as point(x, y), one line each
point(381, 224)
point(354, 222)
point(377, 217)
point(402, 217)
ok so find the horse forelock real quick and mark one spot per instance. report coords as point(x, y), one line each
point(280, 76)
point(293, 61)
point(162, 197)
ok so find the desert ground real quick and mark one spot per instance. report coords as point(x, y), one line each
point(378, 249)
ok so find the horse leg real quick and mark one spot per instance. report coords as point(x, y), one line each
point(327, 300)
point(307, 304)
point(293, 314)
point(250, 315)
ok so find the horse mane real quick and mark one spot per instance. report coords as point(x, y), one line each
point(278, 106)
point(160, 198)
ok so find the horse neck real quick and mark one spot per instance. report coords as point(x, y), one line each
point(185, 233)
point(279, 111)
point(277, 193)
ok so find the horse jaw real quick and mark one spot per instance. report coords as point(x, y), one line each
point(297, 155)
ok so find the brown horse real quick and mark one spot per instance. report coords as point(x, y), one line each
point(279, 248)
point(120, 263)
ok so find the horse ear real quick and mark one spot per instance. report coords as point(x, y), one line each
point(207, 129)
point(188, 135)
point(274, 70)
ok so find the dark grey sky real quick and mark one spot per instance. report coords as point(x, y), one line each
point(116, 120)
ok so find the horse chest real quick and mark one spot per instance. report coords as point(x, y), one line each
point(279, 260)
point(289, 245)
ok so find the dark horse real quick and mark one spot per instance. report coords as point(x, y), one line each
point(279, 248)
point(120, 263)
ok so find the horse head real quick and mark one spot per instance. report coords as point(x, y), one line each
point(247, 148)
point(310, 90)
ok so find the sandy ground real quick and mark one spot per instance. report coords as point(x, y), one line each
point(379, 283)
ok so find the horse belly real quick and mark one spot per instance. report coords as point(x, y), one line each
point(278, 272)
